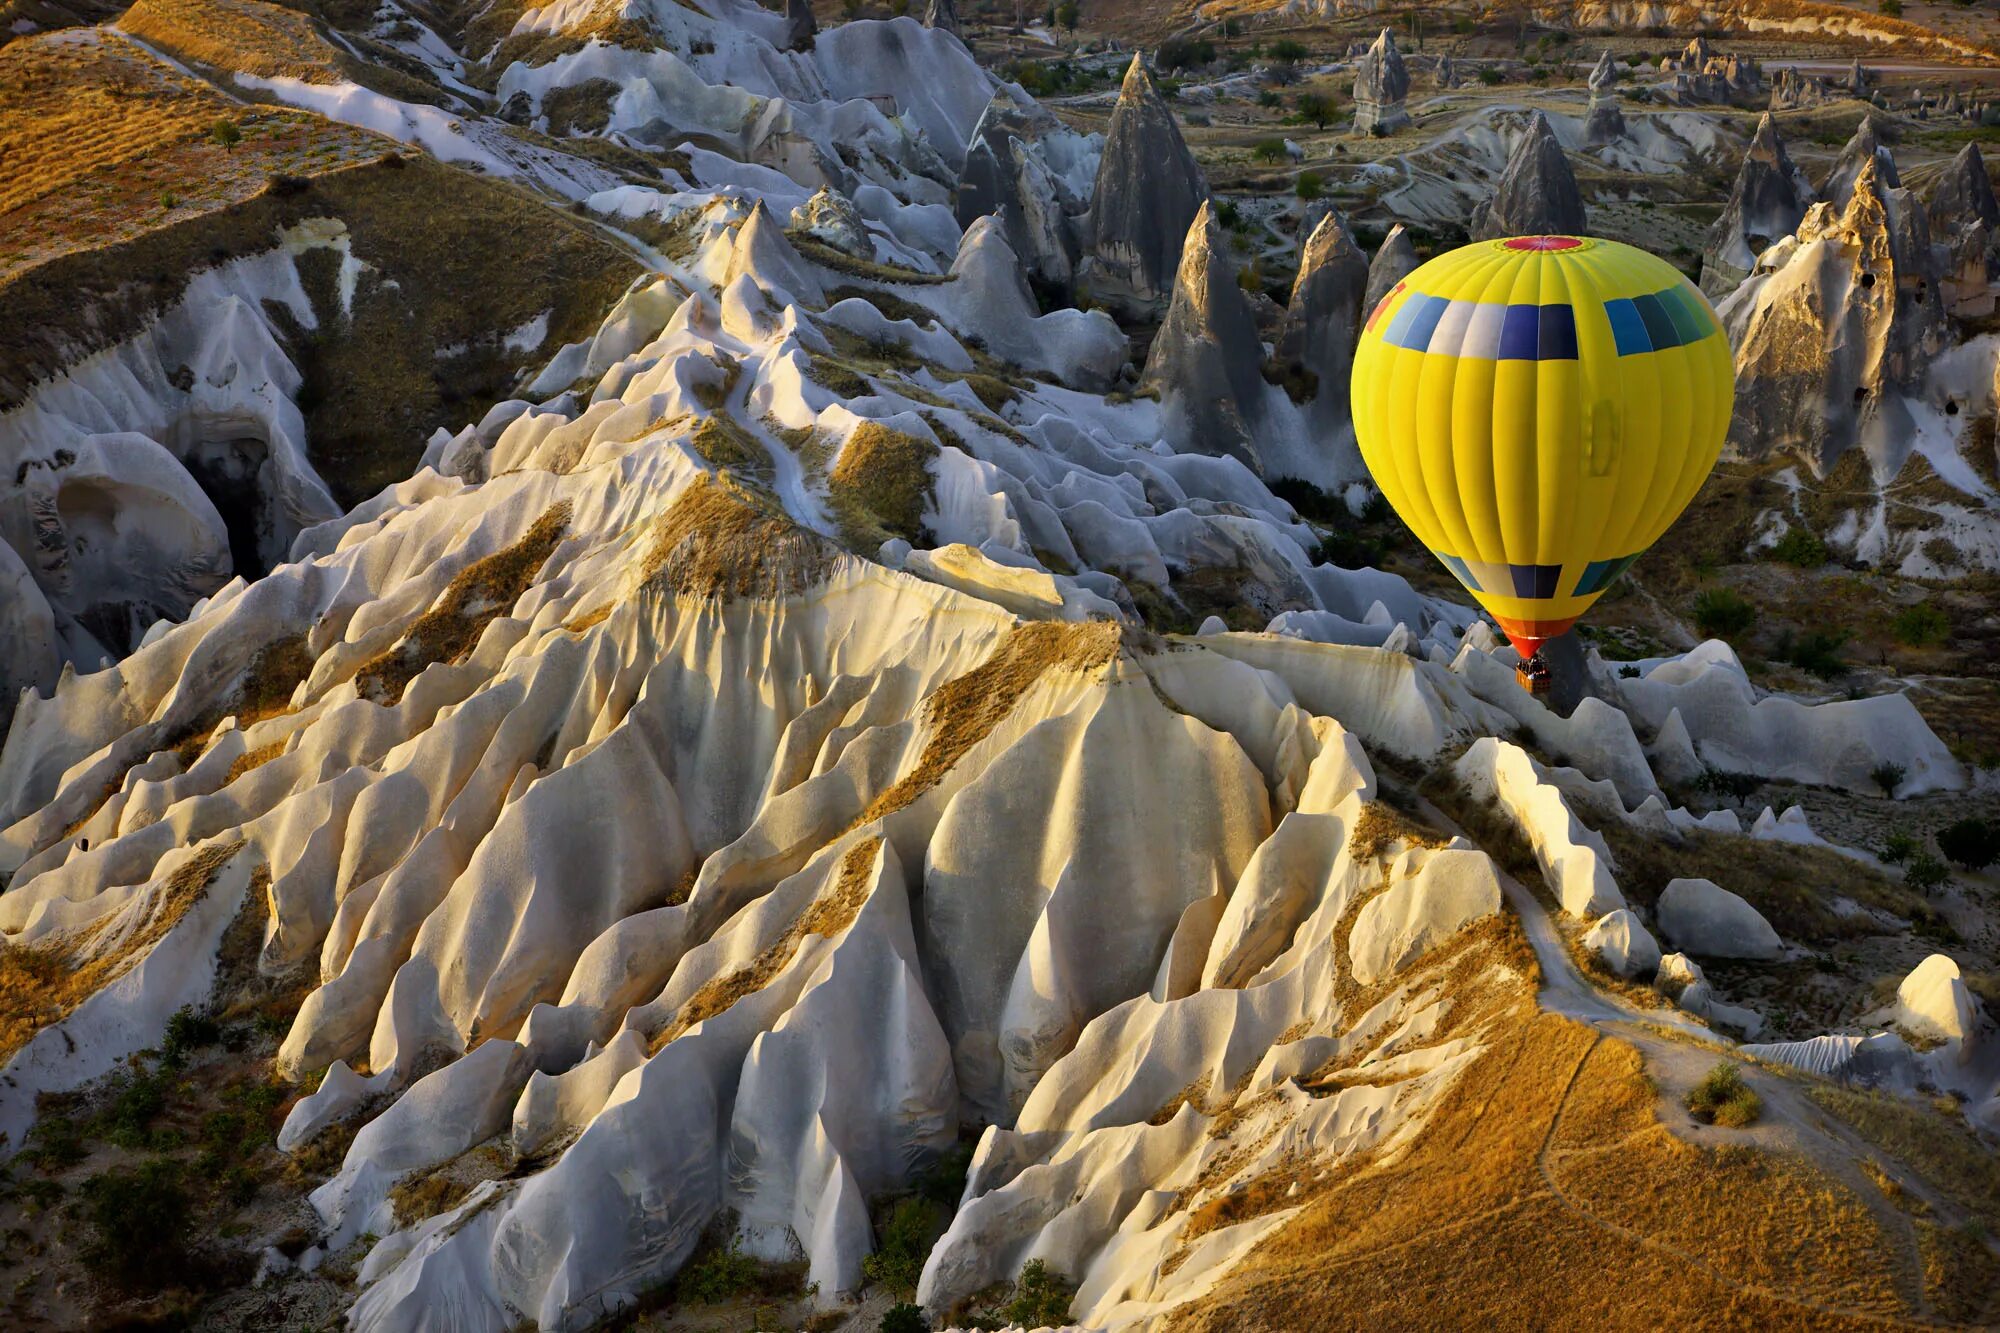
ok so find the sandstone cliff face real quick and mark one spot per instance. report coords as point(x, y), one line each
point(1381, 85)
point(1147, 193)
point(1770, 197)
point(1836, 328)
point(1536, 194)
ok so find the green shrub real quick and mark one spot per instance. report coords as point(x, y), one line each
point(1491, 77)
point(1926, 873)
point(1897, 848)
point(1041, 1298)
point(1317, 108)
point(1971, 842)
point(187, 1030)
point(1817, 653)
point(127, 1118)
point(1721, 613)
point(1269, 150)
point(1719, 782)
point(723, 1273)
point(226, 134)
point(1723, 1098)
point(1309, 186)
point(138, 1221)
point(905, 1243)
point(904, 1318)
point(1288, 51)
point(1888, 777)
point(1799, 547)
point(1920, 626)
point(1270, 99)
point(1228, 214)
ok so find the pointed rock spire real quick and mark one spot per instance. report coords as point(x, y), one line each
point(1395, 260)
point(1381, 85)
point(1147, 193)
point(1866, 146)
point(1207, 361)
point(801, 28)
point(1006, 176)
point(1446, 75)
point(1857, 81)
point(1322, 320)
point(943, 14)
point(1964, 194)
point(1604, 122)
point(1537, 193)
point(1770, 198)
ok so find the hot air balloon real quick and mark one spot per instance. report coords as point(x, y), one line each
point(1538, 410)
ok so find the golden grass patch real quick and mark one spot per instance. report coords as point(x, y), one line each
point(826, 916)
point(964, 710)
point(1544, 1193)
point(720, 540)
point(43, 983)
point(1382, 826)
point(880, 485)
point(1934, 1144)
point(475, 598)
point(235, 35)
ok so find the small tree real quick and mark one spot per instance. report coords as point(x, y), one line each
point(1270, 99)
point(1801, 548)
point(1721, 613)
point(1269, 150)
point(1041, 1298)
point(1288, 51)
point(1309, 186)
point(226, 133)
point(1893, 8)
point(1888, 777)
point(905, 1318)
point(1317, 108)
point(1067, 15)
point(1921, 626)
point(1971, 842)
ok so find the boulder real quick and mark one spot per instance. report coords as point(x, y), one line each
point(1206, 361)
point(1395, 259)
point(1701, 917)
point(833, 218)
point(1381, 85)
point(1934, 1002)
point(1316, 340)
point(1623, 944)
point(1770, 198)
point(1537, 192)
point(1453, 889)
point(1676, 974)
point(1147, 193)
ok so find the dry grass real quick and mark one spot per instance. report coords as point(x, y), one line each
point(1961, 1276)
point(719, 540)
point(723, 442)
point(1544, 1193)
point(580, 108)
point(1793, 886)
point(43, 983)
point(880, 486)
point(103, 143)
point(264, 690)
point(1935, 1145)
point(1383, 828)
point(251, 760)
point(241, 35)
point(480, 593)
point(964, 711)
point(826, 916)
point(819, 252)
point(426, 1195)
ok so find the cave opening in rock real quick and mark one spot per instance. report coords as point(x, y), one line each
point(230, 471)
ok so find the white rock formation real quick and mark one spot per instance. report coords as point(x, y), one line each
point(1769, 200)
point(1604, 121)
point(1536, 194)
point(1381, 85)
point(1702, 918)
point(1622, 942)
point(1575, 863)
point(1393, 930)
point(1147, 193)
point(1934, 1002)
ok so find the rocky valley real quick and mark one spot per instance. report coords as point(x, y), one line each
point(685, 665)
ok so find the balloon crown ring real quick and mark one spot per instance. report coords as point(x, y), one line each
point(1545, 243)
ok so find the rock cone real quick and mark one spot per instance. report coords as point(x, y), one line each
point(1381, 84)
point(1770, 197)
point(1537, 193)
point(1147, 194)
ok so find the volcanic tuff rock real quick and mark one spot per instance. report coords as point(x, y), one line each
point(833, 218)
point(1147, 194)
point(1770, 196)
point(1207, 360)
point(1964, 194)
point(801, 28)
point(1865, 146)
point(1536, 194)
point(1966, 218)
point(1836, 326)
point(1007, 174)
point(943, 14)
point(1322, 319)
point(1395, 259)
point(1446, 73)
point(1604, 122)
point(1380, 86)
point(1793, 89)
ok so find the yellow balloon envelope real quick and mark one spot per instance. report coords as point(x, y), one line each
point(1539, 410)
